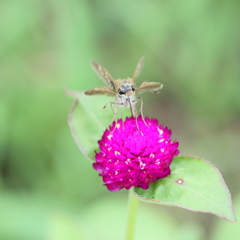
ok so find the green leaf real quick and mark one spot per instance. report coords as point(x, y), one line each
point(223, 231)
point(88, 120)
point(194, 184)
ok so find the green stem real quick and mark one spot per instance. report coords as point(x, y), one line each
point(132, 214)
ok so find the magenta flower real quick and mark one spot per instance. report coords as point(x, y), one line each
point(135, 156)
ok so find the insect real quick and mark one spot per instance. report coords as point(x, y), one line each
point(124, 90)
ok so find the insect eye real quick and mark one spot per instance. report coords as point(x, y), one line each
point(133, 88)
point(121, 92)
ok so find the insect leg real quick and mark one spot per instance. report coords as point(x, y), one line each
point(132, 108)
point(114, 112)
point(134, 112)
point(122, 118)
point(141, 109)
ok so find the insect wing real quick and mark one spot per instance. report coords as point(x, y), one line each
point(104, 75)
point(138, 69)
point(100, 91)
point(149, 87)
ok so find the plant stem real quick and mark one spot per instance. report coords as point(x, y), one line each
point(132, 214)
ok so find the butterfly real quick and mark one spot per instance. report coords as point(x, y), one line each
point(124, 90)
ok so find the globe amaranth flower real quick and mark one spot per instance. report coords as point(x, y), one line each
point(135, 153)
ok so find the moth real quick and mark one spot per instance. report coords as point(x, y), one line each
point(124, 90)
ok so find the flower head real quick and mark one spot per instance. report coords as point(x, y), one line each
point(135, 153)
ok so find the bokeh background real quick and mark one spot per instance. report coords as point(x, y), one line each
point(48, 190)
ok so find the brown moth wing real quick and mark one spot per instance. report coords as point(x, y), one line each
point(149, 87)
point(100, 91)
point(104, 75)
point(138, 69)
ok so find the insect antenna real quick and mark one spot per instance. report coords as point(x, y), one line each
point(107, 103)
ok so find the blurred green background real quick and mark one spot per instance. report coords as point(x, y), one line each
point(48, 190)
